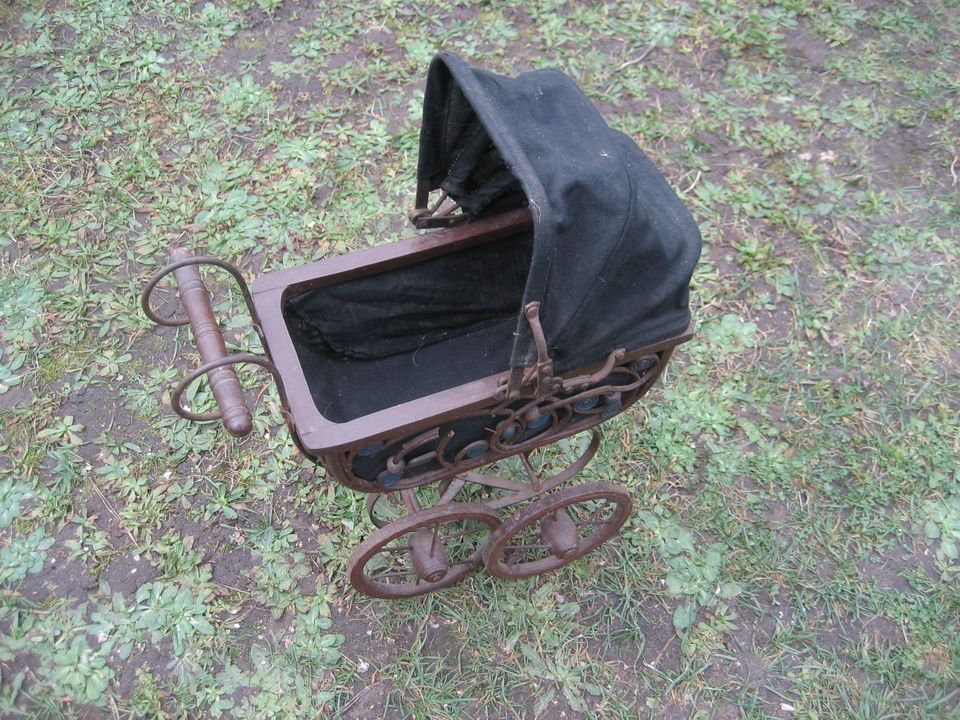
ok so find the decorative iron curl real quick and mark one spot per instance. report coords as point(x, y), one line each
point(235, 359)
point(176, 265)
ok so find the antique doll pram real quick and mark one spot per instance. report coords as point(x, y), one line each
point(547, 297)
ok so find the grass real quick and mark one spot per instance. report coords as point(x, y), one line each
point(794, 549)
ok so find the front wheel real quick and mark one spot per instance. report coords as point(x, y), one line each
point(426, 551)
point(556, 530)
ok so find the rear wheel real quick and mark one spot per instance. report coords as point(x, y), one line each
point(556, 530)
point(426, 551)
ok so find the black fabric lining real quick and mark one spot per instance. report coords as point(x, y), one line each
point(407, 308)
point(345, 389)
point(373, 342)
point(466, 161)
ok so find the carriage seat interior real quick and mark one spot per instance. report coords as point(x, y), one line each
point(377, 341)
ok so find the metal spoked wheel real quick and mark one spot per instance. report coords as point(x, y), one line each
point(428, 550)
point(556, 530)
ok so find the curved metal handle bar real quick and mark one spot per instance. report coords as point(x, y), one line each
point(237, 359)
point(176, 265)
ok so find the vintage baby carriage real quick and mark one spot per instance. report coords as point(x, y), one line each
point(547, 297)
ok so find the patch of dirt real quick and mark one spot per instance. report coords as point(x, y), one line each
point(775, 325)
point(146, 656)
point(900, 156)
point(883, 631)
point(19, 396)
point(267, 40)
point(99, 409)
point(368, 651)
point(755, 631)
point(370, 701)
point(662, 647)
point(126, 573)
point(779, 519)
point(361, 642)
point(713, 62)
point(61, 577)
point(807, 49)
point(753, 670)
point(231, 569)
point(887, 573)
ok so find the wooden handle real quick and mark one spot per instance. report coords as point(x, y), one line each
point(209, 341)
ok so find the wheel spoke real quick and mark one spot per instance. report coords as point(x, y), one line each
point(395, 548)
point(462, 534)
point(397, 573)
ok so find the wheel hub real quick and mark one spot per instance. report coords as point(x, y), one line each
point(428, 555)
point(561, 535)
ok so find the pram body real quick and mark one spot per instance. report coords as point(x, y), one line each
point(546, 296)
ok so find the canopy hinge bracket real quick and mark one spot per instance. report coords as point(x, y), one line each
point(441, 213)
point(537, 379)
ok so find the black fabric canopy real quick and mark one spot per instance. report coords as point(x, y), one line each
point(613, 247)
point(609, 259)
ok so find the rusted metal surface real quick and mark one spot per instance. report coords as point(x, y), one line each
point(538, 378)
point(428, 554)
point(561, 535)
point(441, 213)
point(515, 491)
point(185, 260)
point(228, 360)
point(582, 382)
